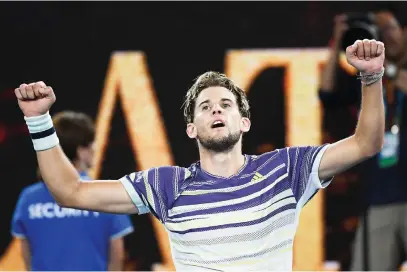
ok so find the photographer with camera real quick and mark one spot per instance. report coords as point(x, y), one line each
point(384, 225)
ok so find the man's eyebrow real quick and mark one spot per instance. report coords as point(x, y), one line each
point(223, 100)
point(226, 99)
point(203, 102)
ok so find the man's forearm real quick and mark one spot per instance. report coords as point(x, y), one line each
point(59, 175)
point(328, 77)
point(370, 128)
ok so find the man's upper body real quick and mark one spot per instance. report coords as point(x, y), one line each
point(339, 88)
point(217, 116)
point(246, 221)
point(56, 238)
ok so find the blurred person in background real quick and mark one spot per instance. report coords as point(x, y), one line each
point(55, 238)
point(383, 177)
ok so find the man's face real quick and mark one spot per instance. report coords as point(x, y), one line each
point(86, 154)
point(218, 124)
point(392, 37)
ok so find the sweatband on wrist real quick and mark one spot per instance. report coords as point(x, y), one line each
point(42, 132)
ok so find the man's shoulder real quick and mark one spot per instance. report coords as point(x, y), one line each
point(164, 173)
point(171, 168)
point(286, 153)
point(266, 156)
point(265, 162)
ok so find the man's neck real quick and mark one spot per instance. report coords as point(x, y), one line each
point(222, 164)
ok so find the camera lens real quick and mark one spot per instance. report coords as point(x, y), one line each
point(355, 33)
point(360, 26)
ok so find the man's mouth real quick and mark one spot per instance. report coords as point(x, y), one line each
point(217, 124)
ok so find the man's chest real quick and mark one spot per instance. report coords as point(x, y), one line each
point(250, 199)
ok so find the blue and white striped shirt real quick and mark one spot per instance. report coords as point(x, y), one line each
point(244, 222)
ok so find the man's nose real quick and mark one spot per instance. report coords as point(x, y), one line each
point(217, 109)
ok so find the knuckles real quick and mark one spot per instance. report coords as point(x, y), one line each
point(33, 85)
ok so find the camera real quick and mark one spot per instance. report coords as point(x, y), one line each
point(360, 26)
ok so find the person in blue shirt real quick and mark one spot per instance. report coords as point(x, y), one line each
point(55, 238)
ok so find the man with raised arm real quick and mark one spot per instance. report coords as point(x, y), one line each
point(63, 239)
point(229, 210)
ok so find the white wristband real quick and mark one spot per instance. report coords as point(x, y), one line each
point(42, 132)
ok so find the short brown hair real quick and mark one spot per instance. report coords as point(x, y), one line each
point(74, 129)
point(213, 79)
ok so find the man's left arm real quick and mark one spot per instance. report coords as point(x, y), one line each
point(368, 57)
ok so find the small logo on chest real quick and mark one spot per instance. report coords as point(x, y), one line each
point(257, 177)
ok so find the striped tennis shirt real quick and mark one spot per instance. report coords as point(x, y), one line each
point(243, 222)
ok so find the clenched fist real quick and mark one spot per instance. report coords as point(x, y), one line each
point(366, 56)
point(35, 98)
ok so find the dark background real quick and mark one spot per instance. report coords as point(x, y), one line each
point(68, 45)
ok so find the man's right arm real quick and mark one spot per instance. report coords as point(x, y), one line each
point(67, 189)
point(141, 192)
point(58, 173)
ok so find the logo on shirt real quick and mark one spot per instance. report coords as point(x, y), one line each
point(52, 210)
point(257, 177)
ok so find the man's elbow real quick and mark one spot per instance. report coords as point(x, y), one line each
point(373, 149)
point(69, 198)
point(65, 202)
point(369, 146)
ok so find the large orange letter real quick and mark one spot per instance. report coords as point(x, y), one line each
point(128, 78)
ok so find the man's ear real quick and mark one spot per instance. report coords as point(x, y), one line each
point(245, 124)
point(191, 131)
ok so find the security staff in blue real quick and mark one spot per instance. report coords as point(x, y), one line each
point(61, 239)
